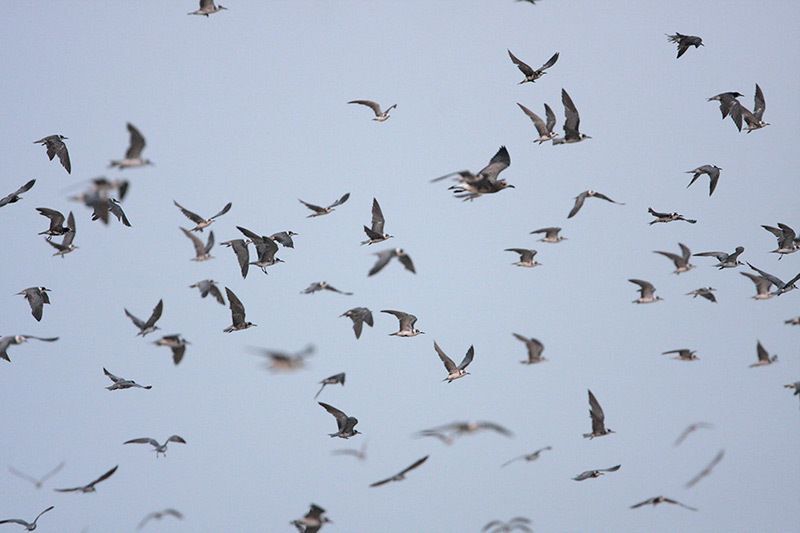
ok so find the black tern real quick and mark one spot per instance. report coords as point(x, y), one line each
point(683, 354)
point(681, 261)
point(780, 285)
point(754, 119)
point(376, 233)
point(486, 180)
point(66, 245)
point(133, 156)
point(312, 521)
point(545, 129)
point(518, 523)
point(206, 287)
point(359, 316)
point(668, 217)
point(344, 423)
point(711, 170)
point(237, 313)
point(588, 474)
point(207, 7)
point(323, 286)
point(400, 476)
point(159, 448)
point(793, 321)
point(29, 526)
point(704, 292)
point(598, 419)
point(201, 251)
point(36, 482)
point(725, 260)
point(9, 340)
point(284, 238)
point(763, 356)
point(201, 222)
point(158, 515)
point(90, 487)
point(407, 322)
point(533, 456)
point(453, 371)
point(526, 257)
point(660, 499)
point(380, 116)
point(588, 194)
point(37, 297)
point(788, 242)
point(729, 105)
point(56, 147)
point(646, 292)
point(762, 286)
point(572, 122)
point(535, 349)
point(532, 75)
point(56, 220)
point(15, 197)
point(336, 379)
point(360, 454)
point(550, 235)
point(122, 383)
point(103, 207)
point(707, 470)
point(691, 428)
point(319, 211)
point(176, 343)
point(387, 255)
point(150, 325)
point(265, 250)
point(684, 42)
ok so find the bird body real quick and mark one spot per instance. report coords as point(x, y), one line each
point(544, 129)
point(15, 197)
point(200, 222)
point(704, 292)
point(763, 356)
point(454, 372)
point(551, 235)
point(572, 122)
point(375, 233)
point(29, 526)
point(318, 211)
point(725, 260)
point(535, 349)
point(667, 217)
point(589, 474)
point(207, 7)
point(683, 354)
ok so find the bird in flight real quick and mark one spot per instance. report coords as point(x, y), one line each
point(360, 454)
point(788, 242)
point(159, 448)
point(265, 249)
point(712, 171)
point(237, 313)
point(336, 379)
point(150, 325)
point(8, 340)
point(323, 286)
point(201, 251)
point(453, 371)
point(589, 474)
point(380, 116)
point(207, 7)
point(66, 245)
point(90, 487)
point(780, 285)
point(133, 156)
point(704, 292)
point(400, 476)
point(518, 523)
point(531, 75)
point(681, 261)
point(319, 211)
point(56, 147)
point(200, 222)
point(208, 286)
point(729, 105)
point(15, 197)
point(359, 316)
point(572, 122)
point(544, 129)
point(37, 297)
point(533, 456)
point(176, 343)
point(646, 292)
point(667, 217)
point(345, 424)
point(691, 428)
point(725, 260)
point(763, 356)
point(588, 194)
point(486, 180)
point(312, 521)
point(598, 419)
point(36, 482)
point(683, 354)
point(707, 470)
point(526, 257)
point(122, 383)
point(29, 526)
point(755, 118)
point(387, 255)
point(535, 349)
point(660, 499)
point(375, 233)
point(684, 42)
point(56, 220)
point(158, 515)
point(551, 235)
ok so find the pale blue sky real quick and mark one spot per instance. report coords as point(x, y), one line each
point(249, 106)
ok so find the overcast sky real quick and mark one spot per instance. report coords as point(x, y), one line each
point(250, 106)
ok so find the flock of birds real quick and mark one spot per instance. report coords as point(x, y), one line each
point(105, 197)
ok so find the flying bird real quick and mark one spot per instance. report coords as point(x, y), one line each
point(66, 245)
point(158, 515)
point(284, 238)
point(588, 474)
point(56, 220)
point(207, 7)
point(754, 119)
point(704, 292)
point(518, 523)
point(684, 42)
point(37, 297)
point(336, 379)
point(400, 476)
point(312, 521)
point(681, 261)
point(532, 75)
point(691, 428)
point(150, 325)
point(380, 116)
point(598, 419)
point(526, 257)
point(486, 180)
point(729, 105)
point(572, 122)
point(375, 233)
point(588, 194)
point(660, 499)
point(56, 147)
point(319, 211)
point(780, 285)
point(15, 197)
point(176, 343)
point(265, 250)
point(36, 482)
point(323, 286)
point(387, 255)
point(29, 526)
point(646, 292)
point(159, 448)
point(533, 456)
point(344, 423)
point(200, 222)
point(788, 242)
point(535, 349)
point(407, 322)
point(103, 207)
point(122, 383)
point(763, 356)
point(793, 321)
point(551, 235)
point(201, 251)
point(707, 470)
point(544, 129)
point(667, 217)
point(359, 316)
point(7, 341)
point(712, 171)
point(762, 286)
point(133, 156)
point(684, 354)
point(90, 487)
point(237, 313)
point(239, 247)
point(206, 287)
point(282, 361)
point(725, 260)
point(453, 371)
point(454, 430)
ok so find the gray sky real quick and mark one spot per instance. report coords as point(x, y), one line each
point(249, 106)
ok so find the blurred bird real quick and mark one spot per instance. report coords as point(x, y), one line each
point(376, 233)
point(159, 448)
point(526, 257)
point(598, 419)
point(458, 429)
point(793, 321)
point(133, 156)
point(691, 428)
point(237, 313)
point(90, 487)
point(359, 316)
point(763, 356)
point(588, 194)
point(201, 251)
point(754, 119)
point(588, 474)
point(158, 515)
point(37, 297)
point(535, 349)
point(380, 116)
point(646, 292)
point(725, 260)
point(344, 423)
point(176, 343)
point(360, 454)
point(387, 255)
point(550, 235)
point(762, 286)
point(681, 262)
point(788, 242)
point(284, 362)
point(572, 122)
point(56, 220)
point(208, 286)
point(518, 522)
point(207, 7)
point(453, 371)
point(660, 499)
point(532, 75)
point(103, 207)
point(707, 470)
point(9, 340)
point(684, 42)
point(66, 245)
point(712, 171)
point(780, 285)
point(407, 322)
point(527, 457)
point(323, 286)
point(336, 379)
point(15, 197)
point(684, 354)
point(150, 325)
point(122, 383)
point(29, 526)
point(544, 129)
point(319, 211)
point(36, 482)
point(200, 222)
point(312, 521)
point(704, 292)
point(400, 476)
point(667, 217)
point(56, 147)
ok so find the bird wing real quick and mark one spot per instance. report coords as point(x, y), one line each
point(242, 255)
point(375, 106)
point(760, 103)
point(45, 339)
point(449, 365)
point(606, 198)
point(137, 322)
point(676, 502)
point(597, 415)
point(104, 476)
point(383, 259)
point(382, 482)
point(774, 279)
point(414, 465)
point(656, 213)
point(541, 127)
point(405, 260)
point(578, 204)
point(13, 196)
point(647, 288)
point(199, 247)
point(763, 354)
point(675, 257)
point(194, 217)
point(36, 299)
point(584, 475)
point(498, 163)
point(209, 244)
point(340, 201)
point(23, 475)
point(682, 47)
point(527, 70)
point(640, 504)
point(762, 284)
point(111, 376)
point(341, 418)
point(550, 62)
point(178, 352)
point(143, 440)
point(15, 521)
point(176, 438)
point(464, 175)
point(495, 427)
point(155, 315)
point(315, 208)
point(40, 514)
point(223, 210)
point(237, 309)
point(137, 143)
point(685, 251)
point(56, 217)
point(377, 217)
point(551, 118)
point(467, 358)
point(707, 470)
point(572, 119)
point(719, 255)
point(334, 289)
point(610, 469)
point(215, 292)
point(787, 233)
point(57, 147)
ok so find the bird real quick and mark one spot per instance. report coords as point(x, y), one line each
point(56, 220)
point(90, 487)
point(646, 292)
point(200, 222)
point(380, 116)
point(37, 297)
point(704, 292)
point(532, 75)
point(449, 432)
point(312, 521)
point(707, 470)
point(344, 423)
point(239, 247)
point(284, 238)
point(375, 233)
point(588, 194)
point(237, 313)
point(729, 105)
point(535, 349)
point(206, 287)
point(551, 235)
point(40, 481)
point(387, 255)
point(780, 285)
point(712, 171)
point(660, 499)
point(684, 42)
point(668, 217)
point(400, 476)
point(323, 286)
point(762, 286)
point(159, 448)
point(681, 261)
point(8, 340)
point(755, 118)
point(445, 438)
point(56, 147)
point(763, 356)
point(518, 522)
point(207, 7)
point(486, 180)
point(795, 386)
point(684, 354)
point(588, 474)
point(793, 321)
point(526, 257)
point(66, 245)
point(133, 156)
point(176, 343)
point(336, 379)
point(122, 383)
point(158, 515)
point(15, 197)
point(360, 454)
point(29, 526)
point(103, 207)
point(598, 419)
point(572, 122)
point(407, 322)
point(725, 260)
point(527, 457)
point(453, 371)
point(359, 316)
point(266, 248)
point(150, 325)
point(201, 251)
point(691, 428)
point(319, 211)
point(282, 361)
point(544, 129)
point(788, 242)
